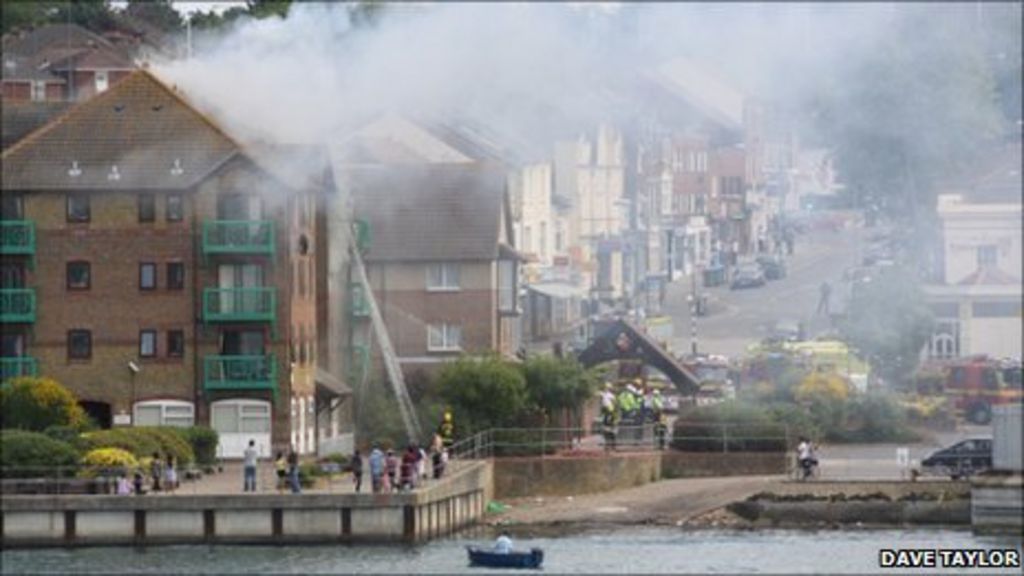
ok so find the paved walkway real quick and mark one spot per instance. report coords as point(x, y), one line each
point(230, 481)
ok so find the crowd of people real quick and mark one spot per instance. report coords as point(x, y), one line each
point(163, 477)
point(391, 472)
point(636, 404)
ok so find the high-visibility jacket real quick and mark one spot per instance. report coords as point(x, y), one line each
point(657, 403)
point(626, 401)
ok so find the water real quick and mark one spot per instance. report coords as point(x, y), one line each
point(637, 550)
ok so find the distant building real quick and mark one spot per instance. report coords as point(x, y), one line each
point(62, 62)
point(441, 261)
point(978, 303)
point(167, 274)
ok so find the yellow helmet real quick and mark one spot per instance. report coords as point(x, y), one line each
point(447, 415)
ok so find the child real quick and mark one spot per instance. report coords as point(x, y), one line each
point(170, 476)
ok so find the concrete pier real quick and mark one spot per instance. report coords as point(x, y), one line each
point(435, 511)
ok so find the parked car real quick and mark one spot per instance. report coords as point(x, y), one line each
point(748, 276)
point(787, 331)
point(773, 266)
point(960, 460)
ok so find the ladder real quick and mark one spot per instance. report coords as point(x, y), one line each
point(394, 371)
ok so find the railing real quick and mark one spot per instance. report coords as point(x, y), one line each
point(238, 237)
point(239, 304)
point(240, 373)
point(699, 437)
point(17, 237)
point(20, 366)
point(17, 305)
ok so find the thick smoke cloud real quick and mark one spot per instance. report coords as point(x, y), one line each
point(533, 67)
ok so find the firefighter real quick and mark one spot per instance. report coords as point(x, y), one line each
point(446, 430)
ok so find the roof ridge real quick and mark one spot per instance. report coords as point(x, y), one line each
point(106, 95)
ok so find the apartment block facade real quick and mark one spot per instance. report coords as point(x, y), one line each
point(163, 272)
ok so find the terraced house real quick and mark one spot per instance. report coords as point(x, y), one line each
point(166, 273)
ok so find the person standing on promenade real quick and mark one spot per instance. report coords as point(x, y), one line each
point(293, 472)
point(357, 470)
point(281, 468)
point(391, 463)
point(170, 475)
point(249, 462)
point(376, 468)
point(156, 471)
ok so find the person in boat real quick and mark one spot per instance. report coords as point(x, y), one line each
point(503, 545)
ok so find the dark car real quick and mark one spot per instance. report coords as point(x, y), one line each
point(773, 266)
point(748, 276)
point(960, 460)
point(787, 331)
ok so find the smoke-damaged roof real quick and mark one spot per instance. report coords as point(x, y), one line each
point(430, 212)
point(139, 134)
point(21, 117)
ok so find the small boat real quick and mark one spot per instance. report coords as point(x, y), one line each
point(492, 559)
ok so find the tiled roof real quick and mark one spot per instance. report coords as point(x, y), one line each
point(37, 54)
point(22, 117)
point(429, 212)
point(139, 125)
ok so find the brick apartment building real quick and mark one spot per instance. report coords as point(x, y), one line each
point(165, 273)
point(441, 262)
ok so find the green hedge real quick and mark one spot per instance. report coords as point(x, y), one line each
point(203, 441)
point(730, 426)
point(31, 454)
point(142, 442)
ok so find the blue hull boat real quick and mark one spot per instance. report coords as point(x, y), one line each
point(483, 557)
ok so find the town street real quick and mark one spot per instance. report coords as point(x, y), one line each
point(738, 318)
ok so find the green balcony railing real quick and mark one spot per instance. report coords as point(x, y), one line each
point(357, 301)
point(20, 366)
point(240, 373)
point(240, 304)
point(17, 305)
point(17, 237)
point(238, 237)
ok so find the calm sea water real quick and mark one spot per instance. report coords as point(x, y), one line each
point(642, 550)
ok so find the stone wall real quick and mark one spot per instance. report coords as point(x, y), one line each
point(565, 476)
point(702, 464)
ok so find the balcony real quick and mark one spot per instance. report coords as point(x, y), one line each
point(20, 366)
point(238, 237)
point(18, 237)
point(240, 304)
point(240, 373)
point(358, 303)
point(17, 305)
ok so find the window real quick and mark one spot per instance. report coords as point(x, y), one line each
point(79, 344)
point(11, 206)
point(38, 90)
point(164, 413)
point(507, 285)
point(147, 343)
point(175, 275)
point(78, 207)
point(78, 276)
point(987, 256)
point(175, 208)
point(102, 81)
point(443, 277)
point(444, 337)
point(147, 276)
point(175, 343)
point(147, 208)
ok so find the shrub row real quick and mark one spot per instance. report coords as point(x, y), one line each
point(26, 454)
point(143, 442)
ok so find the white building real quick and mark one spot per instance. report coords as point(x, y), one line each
point(978, 305)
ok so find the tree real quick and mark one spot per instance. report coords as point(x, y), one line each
point(916, 108)
point(159, 13)
point(557, 385)
point(26, 15)
point(889, 322)
point(31, 403)
point(483, 392)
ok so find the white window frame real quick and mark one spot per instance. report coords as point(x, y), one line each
point(167, 406)
point(102, 79)
point(37, 90)
point(444, 338)
point(443, 277)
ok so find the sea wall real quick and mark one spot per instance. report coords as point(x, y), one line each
point(440, 510)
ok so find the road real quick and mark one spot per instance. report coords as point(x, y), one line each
point(739, 318)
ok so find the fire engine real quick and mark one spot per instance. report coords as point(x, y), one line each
point(978, 383)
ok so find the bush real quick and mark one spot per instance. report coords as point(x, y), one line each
point(108, 462)
point(31, 454)
point(203, 441)
point(31, 403)
point(72, 436)
point(142, 442)
point(730, 426)
point(484, 392)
